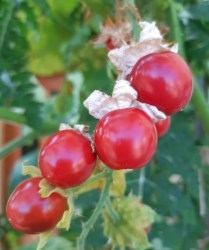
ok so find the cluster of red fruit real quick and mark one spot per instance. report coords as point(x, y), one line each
point(123, 139)
point(127, 138)
point(66, 160)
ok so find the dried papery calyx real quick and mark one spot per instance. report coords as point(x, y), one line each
point(150, 41)
point(123, 96)
point(117, 34)
point(83, 129)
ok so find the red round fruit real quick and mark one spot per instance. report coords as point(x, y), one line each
point(29, 213)
point(125, 139)
point(163, 126)
point(109, 45)
point(164, 80)
point(67, 159)
point(148, 229)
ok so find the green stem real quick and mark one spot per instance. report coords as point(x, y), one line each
point(176, 28)
point(198, 100)
point(7, 114)
point(17, 143)
point(111, 211)
point(87, 226)
point(141, 182)
point(6, 24)
point(11, 116)
point(201, 106)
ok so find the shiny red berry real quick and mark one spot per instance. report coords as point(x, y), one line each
point(29, 213)
point(67, 159)
point(164, 80)
point(125, 139)
point(163, 126)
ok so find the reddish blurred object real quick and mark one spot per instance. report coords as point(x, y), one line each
point(163, 126)
point(52, 83)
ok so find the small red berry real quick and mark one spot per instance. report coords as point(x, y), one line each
point(67, 159)
point(125, 139)
point(109, 45)
point(163, 126)
point(164, 80)
point(29, 213)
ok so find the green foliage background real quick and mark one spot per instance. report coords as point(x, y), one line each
point(45, 37)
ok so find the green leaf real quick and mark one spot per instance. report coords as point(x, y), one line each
point(199, 11)
point(130, 229)
point(30, 170)
point(54, 243)
point(43, 238)
point(176, 201)
point(16, 86)
point(53, 32)
point(46, 189)
point(68, 214)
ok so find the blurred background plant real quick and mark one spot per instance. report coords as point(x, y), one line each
point(48, 66)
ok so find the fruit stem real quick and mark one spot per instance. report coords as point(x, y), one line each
point(142, 179)
point(112, 212)
point(87, 226)
point(199, 102)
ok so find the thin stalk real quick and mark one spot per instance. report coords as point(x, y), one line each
point(87, 226)
point(202, 194)
point(176, 28)
point(198, 100)
point(111, 211)
point(201, 106)
point(9, 147)
point(141, 182)
point(7, 114)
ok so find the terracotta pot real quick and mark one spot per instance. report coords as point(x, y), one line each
point(52, 83)
point(8, 132)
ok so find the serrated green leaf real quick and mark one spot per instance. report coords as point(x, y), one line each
point(43, 238)
point(30, 170)
point(130, 229)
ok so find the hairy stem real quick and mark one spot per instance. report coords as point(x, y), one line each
point(111, 211)
point(91, 221)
